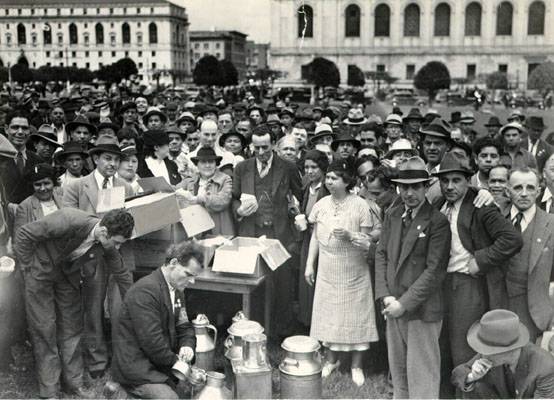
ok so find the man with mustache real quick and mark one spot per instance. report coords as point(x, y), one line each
point(83, 195)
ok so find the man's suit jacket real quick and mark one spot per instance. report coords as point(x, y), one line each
point(172, 170)
point(30, 210)
point(412, 268)
point(17, 188)
point(147, 335)
point(533, 378)
point(544, 151)
point(540, 270)
point(42, 248)
point(491, 239)
point(83, 193)
point(285, 180)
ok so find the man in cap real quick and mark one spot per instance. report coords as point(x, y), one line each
point(154, 119)
point(72, 157)
point(261, 189)
point(467, 121)
point(186, 122)
point(535, 144)
point(12, 171)
point(129, 115)
point(54, 253)
point(506, 366)
point(514, 154)
point(393, 130)
point(410, 265)
point(274, 123)
point(412, 124)
point(482, 242)
point(486, 153)
point(83, 195)
point(530, 272)
point(81, 130)
point(106, 128)
point(493, 126)
point(45, 142)
point(345, 146)
point(287, 119)
point(435, 143)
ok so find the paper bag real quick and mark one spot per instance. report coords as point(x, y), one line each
point(196, 219)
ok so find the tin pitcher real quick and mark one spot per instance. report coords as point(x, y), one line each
point(254, 351)
point(205, 345)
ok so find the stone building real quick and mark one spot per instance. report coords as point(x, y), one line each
point(472, 37)
point(90, 34)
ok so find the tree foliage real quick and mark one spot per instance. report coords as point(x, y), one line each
point(432, 77)
point(322, 72)
point(114, 73)
point(355, 76)
point(230, 73)
point(497, 80)
point(208, 71)
point(542, 77)
point(21, 73)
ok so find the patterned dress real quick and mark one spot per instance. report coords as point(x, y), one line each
point(343, 312)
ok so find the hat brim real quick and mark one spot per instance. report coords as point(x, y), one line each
point(486, 349)
point(323, 134)
point(148, 115)
point(391, 152)
point(51, 141)
point(433, 133)
point(96, 150)
point(447, 171)
point(357, 144)
point(411, 180)
point(224, 137)
point(70, 126)
point(217, 159)
point(350, 122)
point(110, 125)
point(62, 154)
point(467, 120)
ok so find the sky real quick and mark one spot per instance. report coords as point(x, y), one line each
point(247, 16)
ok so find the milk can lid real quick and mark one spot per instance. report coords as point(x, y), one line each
point(300, 344)
point(245, 327)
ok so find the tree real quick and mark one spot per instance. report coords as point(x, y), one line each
point(497, 80)
point(21, 73)
point(230, 73)
point(4, 74)
point(208, 71)
point(322, 72)
point(432, 77)
point(355, 76)
point(126, 67)
point(542, 77)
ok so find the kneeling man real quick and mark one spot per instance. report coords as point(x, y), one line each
point(153, 331)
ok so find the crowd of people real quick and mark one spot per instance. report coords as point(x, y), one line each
point(431, 237)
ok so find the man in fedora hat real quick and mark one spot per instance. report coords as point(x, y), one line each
point(129, 115)
point(287, 120)
point(81, 130)
point(436, 141)
point(530, 271)
point(514, 154)
point(506, 366)
point(393, 130)
point(323, 134)
point(410, 265)
point(72, 157)
point(534, 143)
point(482, 243)
point(412, 124)
point(345, 146)
point(493, 126)
point(45, 142)
point(467, 122)
point(83, 195)
point(154, 119)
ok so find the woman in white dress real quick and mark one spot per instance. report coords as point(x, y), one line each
point(343, 316)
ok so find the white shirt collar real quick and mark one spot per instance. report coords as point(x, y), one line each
point(269, 162)
point(528, 214)
point(100, 179)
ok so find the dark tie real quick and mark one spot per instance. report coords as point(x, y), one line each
point(517, 221)
point(20, 162)
point(105, 183)
point(407, 219)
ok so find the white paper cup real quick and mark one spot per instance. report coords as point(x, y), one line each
point(301, 222)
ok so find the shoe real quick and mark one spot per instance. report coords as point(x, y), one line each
point(328, 368)
point(83, 393)
point(358, 376)
point(97, 374)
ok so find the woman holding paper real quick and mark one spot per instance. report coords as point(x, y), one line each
point(343, 317)
point(211, 188)
point(155, 161)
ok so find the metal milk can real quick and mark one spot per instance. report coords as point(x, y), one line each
point(214, 389)
point(300, 370)
point(239, 329)
point(205, 345)
point(254, 351)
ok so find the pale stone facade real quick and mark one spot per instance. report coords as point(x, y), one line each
point(471, 37)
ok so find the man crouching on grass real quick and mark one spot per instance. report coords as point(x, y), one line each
point(153, 331)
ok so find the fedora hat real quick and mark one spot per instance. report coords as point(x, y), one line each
point(511, 125)
point(223, 138)
point(156, 137)
point(453, 163)
point(393, 119)
point(345, 137)
point(493, 121)
point(186, 116)
point(106, 144)
point(70, 148)
point(177, 130)
point(287, 111)
point(414, 114)
point(438, 127)
point(432, 113)
point(332, 112)
point(273, 119)
point(535, 122)
point(467, 117)
point(355, 117)
point(516, 114)
point(80, 120)
point(411, 171)
point(129, 150)
point(130, 105)
point(107, 124)
point(496, 332)
point(400, 145)
point(396, 110)
point(322, 130)
point(46, 132)
point(153, 111)
point(41, 171)
point(206, 154)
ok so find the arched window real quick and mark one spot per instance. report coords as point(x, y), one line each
point(504, 16)
point(126, 33)
point(382, 20)
point(73, 34)
point(473, 19)
point(99, 30)
point(535, 24)
point(21, 34)
point(153, 33)
point(411, 20)
point(442, 20)
point(305, 21)
point(47, 34)
point(352, 21)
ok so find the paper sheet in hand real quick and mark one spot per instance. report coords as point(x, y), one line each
point(156, 184)
point(110, 199)
point(196, 219)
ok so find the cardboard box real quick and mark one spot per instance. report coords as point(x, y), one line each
point(250, 256)
point(153, 212)
point(210, 245)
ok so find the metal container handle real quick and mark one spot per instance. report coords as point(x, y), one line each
point(215, 332)
point(229, 342)
point(290, 361)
